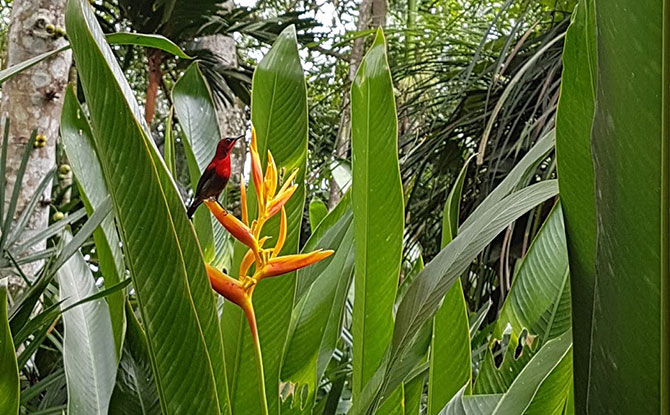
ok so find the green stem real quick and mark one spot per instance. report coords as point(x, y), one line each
point(259, 359)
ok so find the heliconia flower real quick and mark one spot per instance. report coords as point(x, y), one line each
point(239, 230)
point(270, 177)
point(249, 258)
point(246, 262)
point(230, 288)
point(288, 263)
point(256, 171)
point(282, 234)
point(243, 202)
point(278, 202)
point(234, 291)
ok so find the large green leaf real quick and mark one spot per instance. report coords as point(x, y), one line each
point(317, 317)
point(79, 146)
point(279, 114)
point(377, 200)
point(538, 302)
point(574, 120)
point(317, 211)
point(542, 386)
point(89, 354)
point(194, 108)
point(135, 390)
point(450, 351)
point(136, 39)
point(423, 296)
point(9, 371)
point(175, 298)
point(630, 338)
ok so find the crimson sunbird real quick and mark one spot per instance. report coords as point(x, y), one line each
point(215, 177)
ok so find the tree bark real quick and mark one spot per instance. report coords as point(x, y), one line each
point(370, 13)
point(33, 100)
point(155, 58)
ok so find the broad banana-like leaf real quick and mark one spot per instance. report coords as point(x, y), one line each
point(538, 302)
point(450, 351)
point(629, 144)
point(166, 265)
point(137, 39)
point(423, 296)
point(377, 200)
point(9, 371)
point(413, 391)
point(135, 389)
point(574, 120)
point(317, 211)
point(80, 148)
point(533, 391)
point(279, 114)
point(194, 108)
point(89, 354)
point(317, 317)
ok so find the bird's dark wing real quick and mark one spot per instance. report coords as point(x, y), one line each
point(201, 190)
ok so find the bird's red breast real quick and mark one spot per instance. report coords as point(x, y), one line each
point(221, 167)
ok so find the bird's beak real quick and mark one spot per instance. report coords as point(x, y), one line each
point(237, 138)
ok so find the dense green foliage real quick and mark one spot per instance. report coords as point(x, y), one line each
point(490, 178)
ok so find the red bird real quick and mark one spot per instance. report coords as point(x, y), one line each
point(215, 177)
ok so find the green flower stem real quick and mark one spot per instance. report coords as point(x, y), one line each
point(249, 310)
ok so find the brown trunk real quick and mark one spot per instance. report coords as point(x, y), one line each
point(33, 100)
point(155, 57)
point(365, 20)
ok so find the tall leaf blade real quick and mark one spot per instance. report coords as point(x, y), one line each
point(538, 302)
point(89, 354)
point(377, 200)
point(9, 371)
point(574, 121)
point(424, 294)
point(194, 108)
point(80, 148)
point(631, 157)
point(166, 264)
point(542, 386)
point(450, 351)
point(317, 317)
point(135, 390)
point(279, 114)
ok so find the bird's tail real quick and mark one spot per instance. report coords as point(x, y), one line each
point(193, 207)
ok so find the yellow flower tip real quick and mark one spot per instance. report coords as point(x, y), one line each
point(257, 174)
point(282, 234)
point(248, 259)
point(239, 230)
point(270, 177)
point(288, 182)
point(230, 288)
point(289, 263)
point(243, 202)
point(253, 144)
point(278, 202)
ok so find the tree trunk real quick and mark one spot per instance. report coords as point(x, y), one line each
point(370, 13)
point(33, 100)
point(155, 58)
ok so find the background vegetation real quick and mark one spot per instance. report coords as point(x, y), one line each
point(430, 156)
